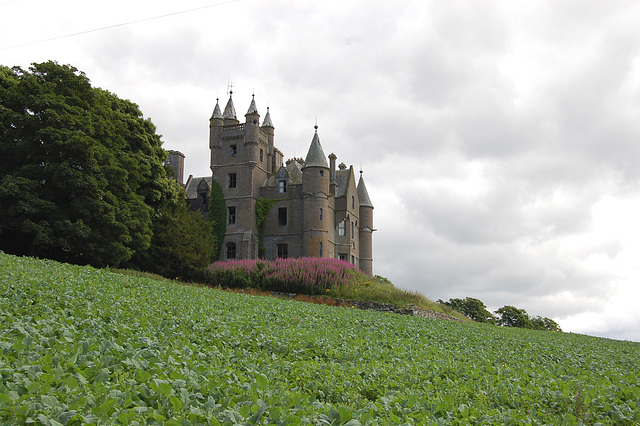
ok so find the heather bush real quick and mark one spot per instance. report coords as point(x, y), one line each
point(306, 275)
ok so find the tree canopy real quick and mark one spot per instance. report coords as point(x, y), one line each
point(508, 316)
point(82, 175)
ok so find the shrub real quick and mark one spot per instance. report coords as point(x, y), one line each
point(304, 275)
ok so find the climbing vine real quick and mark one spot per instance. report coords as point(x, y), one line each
point(217, 214)
point(263, 206)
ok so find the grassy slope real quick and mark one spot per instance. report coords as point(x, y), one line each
point(79, 344)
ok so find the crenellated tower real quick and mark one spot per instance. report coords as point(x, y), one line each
point(240, 165)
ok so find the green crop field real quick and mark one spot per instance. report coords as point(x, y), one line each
point(80, 345)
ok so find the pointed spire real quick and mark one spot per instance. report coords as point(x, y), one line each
point(216, 110)
point(315, 156)
point(229, 110)
point(253, 109)
point(363, 194)
point(267, 120)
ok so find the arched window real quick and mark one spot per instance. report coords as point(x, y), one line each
point(231, 250)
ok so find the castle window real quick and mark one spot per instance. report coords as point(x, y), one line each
point(342, 256)
point(282, 186)
point(342, 228)
point(282, 216)
point(283, 250)
point(231, 215)
point(261, 155)
point(353, 202)
point(321, 215)
point(319, 249)
point(232, 180)
point(231, 250)
point(353, 232)
point(321, 173)
point(234, 150)
point(353, 259)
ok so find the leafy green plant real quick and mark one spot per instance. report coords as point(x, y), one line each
point(82, 345)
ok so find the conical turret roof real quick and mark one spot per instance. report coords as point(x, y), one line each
point(267, 120)
point(253, 109)
point(216, 111)
point(315, 156)
point(363, 195)
point(229, 110)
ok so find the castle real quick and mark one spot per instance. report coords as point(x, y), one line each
point(318, 210)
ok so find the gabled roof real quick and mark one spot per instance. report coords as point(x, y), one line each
point(191, 187)
point(291, 171)
point(216, 111)
point(229, 110)
point(342, 179)
point(315, 156)
point(363, 194)
point(267, 120)
point(295, 173)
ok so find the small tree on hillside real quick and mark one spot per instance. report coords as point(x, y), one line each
point(510, 316)
point(540, 323)
point(472, 308)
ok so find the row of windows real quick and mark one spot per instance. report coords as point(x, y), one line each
point(283, 219)
point(233, 151)
point(283, 252)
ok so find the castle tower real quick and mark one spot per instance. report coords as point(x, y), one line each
point(366, 228)
point(239, 164)
point(318, 214)
point(176, 161)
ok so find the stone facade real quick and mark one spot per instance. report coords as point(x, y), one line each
point(318, 210)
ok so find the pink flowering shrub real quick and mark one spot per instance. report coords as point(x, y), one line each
point(307, 275)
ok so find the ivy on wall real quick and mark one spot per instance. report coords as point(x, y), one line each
point(217, 214)
point(263, 206)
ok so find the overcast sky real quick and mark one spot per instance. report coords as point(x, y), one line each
point(500, 140)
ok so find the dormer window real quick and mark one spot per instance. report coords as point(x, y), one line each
point(233, 150)
point(282, 186)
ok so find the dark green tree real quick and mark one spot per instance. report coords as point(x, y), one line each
point(510, 316)
point(182, 240)
point(217, 215)
point(540, 323)
point(81, 171)
point(472, 308)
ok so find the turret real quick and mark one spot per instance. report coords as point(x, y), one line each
point(315, 173)
point(215, 132)
point(229, 114)
point(267, 126)
point(252, 131)
point(318, 220)
point(366, 228)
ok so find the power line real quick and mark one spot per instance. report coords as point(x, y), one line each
point(8, 2)
point(119, 25)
